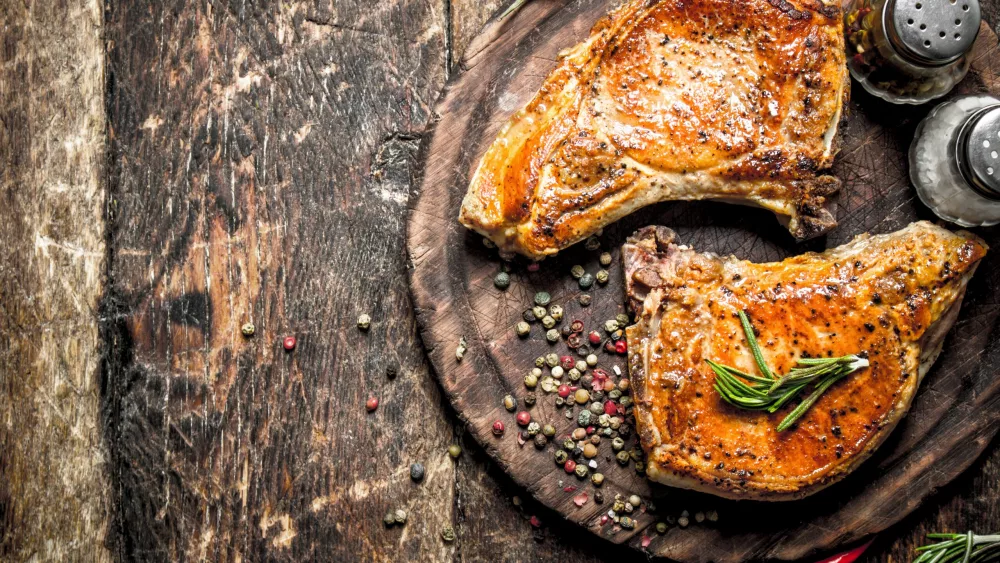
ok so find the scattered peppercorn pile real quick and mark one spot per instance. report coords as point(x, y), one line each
point(588, 383)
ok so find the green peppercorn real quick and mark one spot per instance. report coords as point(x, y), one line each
point(557, 372)
point(605, 259)
point(586, 281)
point(529, 399)
point(581, 471)
point(530, 381)
point(454, 451)
point(618, 506)
point(523, 329)
point(540, 361)
point(610, 326)
point(549, 431)
point(616, 423)
point(533, 428)
point(618, 444)
point(596, 407)
point(614, 394)
point(389, 519)
point(683, 520)
point(552, 336)
point(622, 457)
point(584, 299)
point(604, 421)
point(592, 243)
point(568, 445)
point(556, 312)
point(542, 298)
point(598, 495)
point(560, 402)
point(529, 316)
point(712, 515)
point(597, 479)
point(606, 432)
point(661, 528)
point(399, 516)
point(629, 507)
point(561, 456)
point(622, 319)
point(591, 360)
point(501, 280)
point(627, 523)
point(583, 419)
point(539, 312)
point(640, 467)
point(574, 374)
point(552, 360)
point(699, 517)
point(510, 403)
point(248, 329)
point(364, 322)
point(488, 243)
point(448, 534)
point(626, 402)
point(635, 453)
point(548, 384)
point(540, 441)
point(602, 277)
point(577, 271)
point(635, 500)
point(548, 321)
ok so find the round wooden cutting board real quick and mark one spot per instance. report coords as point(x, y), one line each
point(953, 418)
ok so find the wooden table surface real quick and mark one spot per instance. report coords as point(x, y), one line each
point(174, 169)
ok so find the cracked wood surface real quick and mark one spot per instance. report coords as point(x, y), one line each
point(257, 166)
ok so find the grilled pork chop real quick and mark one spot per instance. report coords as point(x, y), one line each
point(890, 296)
point(671, 100)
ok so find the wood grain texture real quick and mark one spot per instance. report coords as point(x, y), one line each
point(953, 419)
point(52, 467)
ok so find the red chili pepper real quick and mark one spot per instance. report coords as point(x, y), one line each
point(847, 556)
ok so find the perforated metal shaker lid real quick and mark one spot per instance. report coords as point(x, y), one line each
point(932, 32)
point(978, 148)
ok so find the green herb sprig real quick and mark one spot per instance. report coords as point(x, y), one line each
point(960, 548)
point(768, 392)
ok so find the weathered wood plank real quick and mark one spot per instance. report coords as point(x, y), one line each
point(52, 487)
point(261, 169)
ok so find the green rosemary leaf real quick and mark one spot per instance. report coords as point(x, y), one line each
point(960, 548)
point(754, 347)
point(513, 8)
point(770, 392)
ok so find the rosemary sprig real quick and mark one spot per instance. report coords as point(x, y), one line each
point(769, 392)
point(513, 8)
point(960, 548)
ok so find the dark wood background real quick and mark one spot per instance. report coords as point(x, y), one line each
point(172, 169)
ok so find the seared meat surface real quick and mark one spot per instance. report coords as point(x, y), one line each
point(671, 100)
point(890, 296)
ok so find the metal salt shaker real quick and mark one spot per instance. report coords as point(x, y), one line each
point(955, 160)
point(910, 51)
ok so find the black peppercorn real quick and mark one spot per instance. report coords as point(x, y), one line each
point(417, 472)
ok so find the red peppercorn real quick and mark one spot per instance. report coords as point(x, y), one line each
point(621, 347)
point(576, 326)
point(573, 342)
point(591, 430)
point(594, 337)
point(498, 428)
point(610, 347)
point(523, 418)
point(567, 362)
point(535, 522)
point(371, 404)
point(569, 466)
point(610, 408)
point(533, 267)
point(289, 343)
point(563, 390)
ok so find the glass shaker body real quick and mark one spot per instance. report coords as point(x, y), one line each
point(937, 157)
point(910, 51)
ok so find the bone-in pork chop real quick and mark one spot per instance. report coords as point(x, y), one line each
point(892, 297)
point(736, 100)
